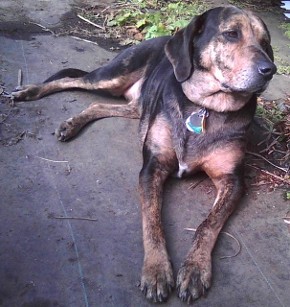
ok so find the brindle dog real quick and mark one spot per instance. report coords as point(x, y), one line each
point(195, 94)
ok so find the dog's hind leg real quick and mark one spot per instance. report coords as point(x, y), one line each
point(64, 79)
point(107, 78)
point(115, 77)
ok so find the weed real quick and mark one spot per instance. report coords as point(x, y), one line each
point(154, 18)
point(283, 67)
point(286, 29)
point(269, 111)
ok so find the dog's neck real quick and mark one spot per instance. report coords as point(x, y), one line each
point(202, 89)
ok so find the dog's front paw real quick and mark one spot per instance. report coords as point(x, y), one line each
point(193, 279)
point(67, 130)
point(27, 92)
point(157, 281)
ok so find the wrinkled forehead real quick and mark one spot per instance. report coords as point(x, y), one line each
point(248, 23)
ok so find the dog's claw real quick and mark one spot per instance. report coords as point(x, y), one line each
point(157, 282)
point(27, 92)
point(193, 282)
point(67, 130)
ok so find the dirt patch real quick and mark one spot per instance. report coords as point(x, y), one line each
point(72, 25)
point(24, 30)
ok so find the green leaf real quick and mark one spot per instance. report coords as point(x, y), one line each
point(112, 23)
point(141, 23)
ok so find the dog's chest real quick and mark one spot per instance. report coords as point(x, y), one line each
point(203, 132)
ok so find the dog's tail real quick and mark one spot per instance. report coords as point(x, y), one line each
point(67, 73)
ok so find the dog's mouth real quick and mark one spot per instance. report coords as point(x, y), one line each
point(226, 88)
point(251, 82)
point(252, 88)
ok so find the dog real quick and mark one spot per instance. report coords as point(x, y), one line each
point(195, 94)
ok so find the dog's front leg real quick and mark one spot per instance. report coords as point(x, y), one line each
point(194, 276)
point(157, 277)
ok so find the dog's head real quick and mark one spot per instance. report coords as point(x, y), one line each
point(229, 47)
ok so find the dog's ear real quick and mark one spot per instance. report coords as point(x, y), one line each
point(179, 49)
point(267, 44)
point(270, 52)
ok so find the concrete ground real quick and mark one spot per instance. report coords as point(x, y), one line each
point(70, 231)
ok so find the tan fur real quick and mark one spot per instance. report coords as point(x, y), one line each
point(222, 161)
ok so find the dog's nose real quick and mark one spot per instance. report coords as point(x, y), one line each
point(267, 69)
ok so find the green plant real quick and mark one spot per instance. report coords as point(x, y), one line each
point(155, 18)
point(283, 67)
point(286, 29)
point(273, 114)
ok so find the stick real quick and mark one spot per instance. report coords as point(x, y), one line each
point(270, 174)
point(49, 160)
point(90, 22)
point(43, 27)
point(84, 40)
point(19, 82)
point(260, 156)
point(272, 144)
point(73, 218)
point(231, 236)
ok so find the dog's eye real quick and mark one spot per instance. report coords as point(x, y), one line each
point(231, 35)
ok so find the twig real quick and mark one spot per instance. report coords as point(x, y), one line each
point(90, 22)
point(260, 156)
point(272, 144)
point(43, 27)
point(270, 174)
point(286, 218)
point(231, 236)
point(106, 8)
point(84, 40)
point(49, 160)
point(194, 185)
point(5, 116)
point(73, 218)
point(19, 82)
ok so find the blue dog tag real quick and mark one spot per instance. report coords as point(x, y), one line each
point(196, 121)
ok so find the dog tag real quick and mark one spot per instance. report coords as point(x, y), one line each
point(196, 121)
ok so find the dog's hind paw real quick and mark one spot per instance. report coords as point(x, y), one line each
point(67, 130)
point(157, 282)
point(25, 93)
point(193, 280)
